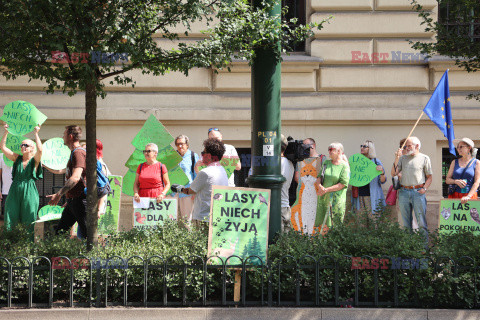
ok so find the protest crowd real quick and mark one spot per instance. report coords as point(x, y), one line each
point(320, 198)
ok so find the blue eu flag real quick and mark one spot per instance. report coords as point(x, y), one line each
point(438, 110)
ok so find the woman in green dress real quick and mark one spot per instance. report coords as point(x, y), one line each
point(23, 200)
point(333, 190)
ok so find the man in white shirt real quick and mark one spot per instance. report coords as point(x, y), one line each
point(287, 171)
point(229, 155)
point(201, 186)
point(6, 174)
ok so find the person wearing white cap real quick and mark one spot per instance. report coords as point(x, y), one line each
point(464, 172)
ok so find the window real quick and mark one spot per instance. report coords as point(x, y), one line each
point(296, 9)
point(460, 20)
point(50, 184)
point(447, 158)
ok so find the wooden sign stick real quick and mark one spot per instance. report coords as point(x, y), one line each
point(411, 131)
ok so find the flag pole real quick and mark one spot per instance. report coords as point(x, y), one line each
point(411, 131)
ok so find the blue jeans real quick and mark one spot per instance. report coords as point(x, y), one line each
point(411, 200)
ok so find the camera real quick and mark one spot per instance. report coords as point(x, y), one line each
point(296, 150)
point(177, 188)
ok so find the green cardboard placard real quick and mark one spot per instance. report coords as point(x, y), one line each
point(238, 224)
point(55, 154)
point(13, 143)
point(22, 117)
point(128, 181)
point(48, 213)
point(228, 164)
point(152, 131)
point(177, 176)
point(168, 156)
point(108, 222)
point(362, 170)
point(455, 216)
point(155, 214)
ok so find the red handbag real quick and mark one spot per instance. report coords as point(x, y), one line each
point(391, 198)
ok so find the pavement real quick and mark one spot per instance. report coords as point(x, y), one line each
point(122, 313)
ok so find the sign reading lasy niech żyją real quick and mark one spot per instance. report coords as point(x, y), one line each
point(14, 143)
point(22, 117)
point(153, 213)
point(362, 170)
point(455, 216)
point(238, 224)
point(55, 154)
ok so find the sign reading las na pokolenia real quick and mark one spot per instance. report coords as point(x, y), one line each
point(149, 212)
point(238, 224)
point(455, 216)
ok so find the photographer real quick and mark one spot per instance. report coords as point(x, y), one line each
point(201, 186)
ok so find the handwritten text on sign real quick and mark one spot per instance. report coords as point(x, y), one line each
point(55, 154)
point(22, 117)
point(362, 170)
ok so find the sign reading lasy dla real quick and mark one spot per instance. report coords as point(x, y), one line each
point(22, 117)
point(362, 170)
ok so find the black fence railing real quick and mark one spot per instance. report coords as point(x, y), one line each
point(175, 281)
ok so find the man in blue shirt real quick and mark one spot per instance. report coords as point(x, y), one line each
point(185, 202)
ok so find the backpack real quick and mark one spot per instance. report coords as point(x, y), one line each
point(103, 186)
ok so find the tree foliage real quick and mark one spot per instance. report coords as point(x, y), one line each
point(457, 33)
point(37, 33)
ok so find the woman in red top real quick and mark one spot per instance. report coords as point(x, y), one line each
point(151, 180)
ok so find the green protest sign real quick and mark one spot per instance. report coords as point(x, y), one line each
point(55, 154)
point(168, 156)
point(455, 216)
point(362, 170)
point(155, 213)
point(152, 131)
point(108, 222)
point(48, 213)
point(228, 164)
point(128, 181)
point(238, 224)
point(14, 143)
point(22, 117)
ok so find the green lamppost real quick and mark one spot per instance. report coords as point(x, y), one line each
point(266, 124)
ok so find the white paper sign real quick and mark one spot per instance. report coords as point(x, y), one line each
point(143, 204)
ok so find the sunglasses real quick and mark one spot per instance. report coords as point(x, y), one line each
point(24, 145)
point(330, 149)
point(148, 151)
point(203, 153)
point(212, 129)
point(364, 146)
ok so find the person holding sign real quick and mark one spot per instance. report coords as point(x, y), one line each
point(414, 170)
point(74, 187)
point(370, 197)
point(23, 200)
point(464, 172)
point(213, 174)
point(151, 180)
point(332, 185)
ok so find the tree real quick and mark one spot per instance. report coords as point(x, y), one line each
point(77, 45)
point(457, 33)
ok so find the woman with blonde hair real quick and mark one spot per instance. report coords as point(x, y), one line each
point(331, 186)
point(23, 200)
point(464, 172)
point(370, 197)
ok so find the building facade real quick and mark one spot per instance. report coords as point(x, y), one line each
point(357, 79)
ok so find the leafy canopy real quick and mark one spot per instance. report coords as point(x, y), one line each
point(457, 33)
point(33, 29)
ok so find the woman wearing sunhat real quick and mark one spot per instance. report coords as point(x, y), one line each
point(464, 172)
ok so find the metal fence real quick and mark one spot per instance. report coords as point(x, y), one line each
point(175, 281)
